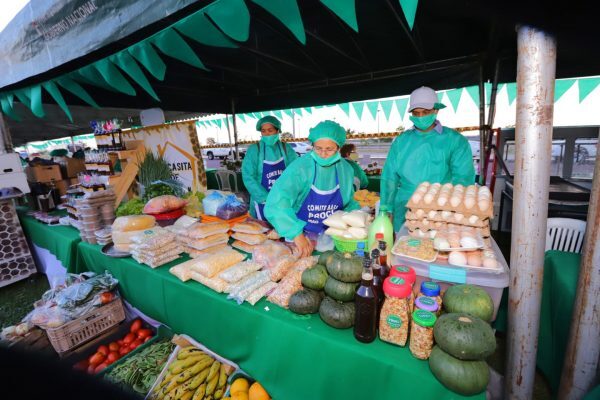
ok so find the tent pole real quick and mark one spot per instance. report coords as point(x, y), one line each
point(235, 134)
point(5, 139)
point(491, 115)
point(580, 365)
point(482, 130)
point(536, 65)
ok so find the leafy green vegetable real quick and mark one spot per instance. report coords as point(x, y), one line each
point(131, 207)
point(157, 189)
point(199, 195)
point(153, 168)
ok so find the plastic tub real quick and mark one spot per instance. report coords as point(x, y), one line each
point(493, 282)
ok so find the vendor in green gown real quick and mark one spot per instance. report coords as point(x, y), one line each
point(349, 153)
point(264, 163)
point(427, 152)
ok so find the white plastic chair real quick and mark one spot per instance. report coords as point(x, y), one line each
point(565, 234)
point(224, 181)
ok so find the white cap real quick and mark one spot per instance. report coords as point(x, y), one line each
point(424, 97)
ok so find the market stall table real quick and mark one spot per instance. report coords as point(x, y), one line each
point(293, 356)
point(561, 272)
point(61, 241)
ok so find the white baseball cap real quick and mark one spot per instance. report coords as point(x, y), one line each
point(424, 97)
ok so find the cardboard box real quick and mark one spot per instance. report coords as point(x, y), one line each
point(72, 167)
point(62, 186)
point(43, 173)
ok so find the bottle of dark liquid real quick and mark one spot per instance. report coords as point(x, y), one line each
point(385, 268)
point(365, 318)
point(377, 279)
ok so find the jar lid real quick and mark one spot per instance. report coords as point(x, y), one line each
point(426, 303)
point(430, 288)
point(396, 287)
point(405, 272)
point(424, 318)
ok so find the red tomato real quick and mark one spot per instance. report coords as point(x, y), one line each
point(113, 346)
point(135, 325)
point(103, 350)
point(100, 367)
point(130, 337)
point(148, 338)
point(113, 356)
point(81, 365)
point(106, 297)
point(135, 343)
point(120, 342)
point(90, 369)
point(144, 333)
point(124, 350)
point(96, 358)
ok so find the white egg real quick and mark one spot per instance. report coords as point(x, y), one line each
point(432, 214)
point(468, 242)
point(446, 215)
point(469, 202)
point(428, 198)
point(489, 254)
point(447, 186)
point(419, 213)
point(483, 204)
point(421, 233)
point(455, 200)
point(436, 185)
point(473, 219)
point(425, 222)
point(442, 200)
point(432, 234)
point(471, 188)
point(441, 243)
point(416, 198)
point(438, 224)
point(422, 189)
point(458, 217)
point(474, 259)
point(459, 187)
point(483, 195)
point(457, 258)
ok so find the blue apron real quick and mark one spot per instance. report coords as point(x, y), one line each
point(320, 204)
point(271, 171)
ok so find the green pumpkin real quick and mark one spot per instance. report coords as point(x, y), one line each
point(464, 336)
point(326, 257)
point(340, 291)
point(315, 277)
point(469, 299)
point(337, 314)
point(305, 301)
point(463, 377)
point(346, 267)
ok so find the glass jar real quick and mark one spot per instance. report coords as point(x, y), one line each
point(421, 334)
point(431, 289)
point(395, 313)
point(427, 304)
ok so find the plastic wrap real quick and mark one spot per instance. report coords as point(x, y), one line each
point(152, 240)
point(305, 263)
point(211, 264)
point(240, 291)
point(335, 221)
point(207, 242)
point(163, 204)
point(199, 231)
point(183, 271)
point(216, 284)
point(269, 253)
point(249, 227)
point(185, 221)
point(155, 251)
point(245, 247)
point(250, 238)
point(283, 266)
point(239, 271)
point(176, 250)
point(261, 292)
point(133, 223)
point(155, 262)
point(231, 208)
point(286, 288)
point(212, 202)
point(197, 253)
point(356, 218)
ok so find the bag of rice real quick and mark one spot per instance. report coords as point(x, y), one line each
point(282, 267)
point(355, 218)
point(249, 227)
point(211, 264)
point(239, 271)
point(207, 242)
point(250, 238)
point(335, 221)
point(286, 288)
point(216, 284)
point(199, 231)
point(261, 292)
point(133, 223)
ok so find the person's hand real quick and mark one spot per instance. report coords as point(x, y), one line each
point(304, 246)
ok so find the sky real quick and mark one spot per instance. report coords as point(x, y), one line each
point(8, 10)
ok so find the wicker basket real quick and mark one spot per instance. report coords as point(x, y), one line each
point(86, 327)
point(347, 245)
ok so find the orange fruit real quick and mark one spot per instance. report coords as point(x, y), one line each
point(239, 385)
point(257, 392)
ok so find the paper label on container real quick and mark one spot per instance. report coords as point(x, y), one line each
point(394, 321)
point(447, 274)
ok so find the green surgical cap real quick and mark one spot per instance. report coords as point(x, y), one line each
point(328, 130)
point(269, 119)
point(59, 153)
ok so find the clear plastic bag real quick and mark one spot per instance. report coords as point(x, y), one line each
point(231, 208)
point(207, 242)
point(154, 262)
point(183, 271)
point(155, 251)
point(305, 263)
point(211, 264)
point(245, 247)
point(152, 239)
point(239, 271)
point(282, 267)
point(250, 238)
point(133, 223)
point(212, 202)
point(199, 231)
point(286, 288)
point(192, 252)
point(176, 250)
point(216, 284)
point(163, 204)
point(269, 253)
point(261, 292)
point(248, 286)
point(249, 227)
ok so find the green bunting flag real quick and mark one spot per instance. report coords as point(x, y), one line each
point(386, 106)
point(586, 86)
point(511, 91)
point(401, 105)
point(409, 8)
point(473, 91)
point(345, 108)
point(288, 13)
point(454, 97)
point(372, 106)
point(561, 86)
point(345, 9)
point(358, 108)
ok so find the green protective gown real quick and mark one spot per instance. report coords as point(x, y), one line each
point(292, 187)
point(417, 157)
point(359, 173)
point(252, 168)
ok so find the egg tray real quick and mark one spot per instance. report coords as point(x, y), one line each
point(481, 223)
point(461, 208)
point(412, 225)
point(483, 232)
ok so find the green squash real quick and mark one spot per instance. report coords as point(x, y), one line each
point(337, 314)
point(326, 257)
point(463, 377)
point(464, 336)
point(305, 301)
point(346, 267)
point(315, 277)
point(469, 299)
point(340, 291)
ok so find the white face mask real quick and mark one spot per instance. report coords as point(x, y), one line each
point(353, 156)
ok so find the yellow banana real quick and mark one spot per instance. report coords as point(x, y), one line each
point(222, 377)
point(218, 394)
point(199, 393)
point(214, 369)
point(212, 385)
point(199, 379)
point(178, 366)
point(201, 365)
point(188, 351)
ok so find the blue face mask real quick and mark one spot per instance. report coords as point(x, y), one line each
point(423, 123)
point(325, 162)
point(270, 140)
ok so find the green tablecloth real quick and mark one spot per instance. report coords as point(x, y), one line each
point(561, 272)
point(211, 180)
point(59, 240)
point(292, 356)
point(374, 183)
